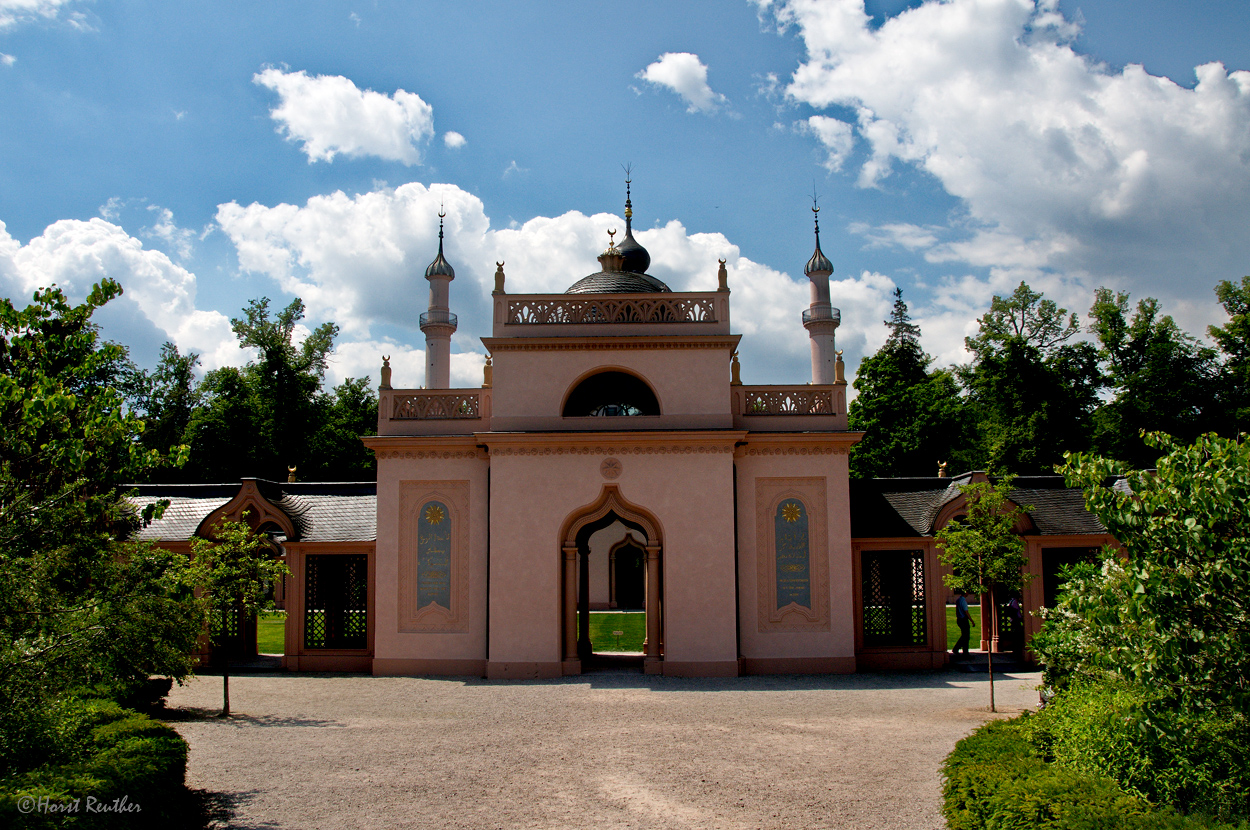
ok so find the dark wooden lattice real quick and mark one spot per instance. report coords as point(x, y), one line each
point(336, 593)
point(893, 597)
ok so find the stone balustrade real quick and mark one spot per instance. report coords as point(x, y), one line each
point(436, 405)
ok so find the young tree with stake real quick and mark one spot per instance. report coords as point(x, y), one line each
point(982, 548)
point(234, 571)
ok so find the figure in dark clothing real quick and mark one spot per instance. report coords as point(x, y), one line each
point(964, 620)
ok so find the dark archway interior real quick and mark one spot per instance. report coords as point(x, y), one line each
point(630, 578)
point(584, 648)
point(611, 393)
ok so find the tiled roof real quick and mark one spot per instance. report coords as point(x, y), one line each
point(618, 282)
point(889, 507)
point(320, 511)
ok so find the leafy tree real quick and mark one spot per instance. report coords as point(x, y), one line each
point(272, 414)
point(78, 607)
point(910, 416)
point(1233, 340)
point(983, 549)
point(1030, 392)
point(1171, 612)
point(165, 399)
point(235, 571)
point(337, 453)
point(1163, 379)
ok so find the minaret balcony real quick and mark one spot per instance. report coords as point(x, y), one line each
point(438, 317)
point(822, 314)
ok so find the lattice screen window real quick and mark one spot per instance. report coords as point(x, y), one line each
point(336, 594)
point(893, 597)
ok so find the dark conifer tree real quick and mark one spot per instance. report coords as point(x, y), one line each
point(910, 416)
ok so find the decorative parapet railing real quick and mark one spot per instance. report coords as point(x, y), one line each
point(783, 400)
point(582, 309)
point(436, 405)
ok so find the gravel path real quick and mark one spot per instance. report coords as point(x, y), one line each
point(604, 751)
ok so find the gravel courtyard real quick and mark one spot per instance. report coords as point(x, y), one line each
point(601, 750)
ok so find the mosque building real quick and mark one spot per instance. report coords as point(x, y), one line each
point(613, 460)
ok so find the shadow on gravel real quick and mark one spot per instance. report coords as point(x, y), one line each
point(216, 811)
point(192, 714)
point(863, 681)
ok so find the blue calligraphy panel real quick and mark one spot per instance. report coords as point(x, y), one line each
point(794, 570)
point(434, 555)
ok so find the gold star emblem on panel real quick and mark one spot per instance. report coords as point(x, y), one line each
point(434, 514)
point(791, 512)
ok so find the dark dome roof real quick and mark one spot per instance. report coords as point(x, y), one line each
point(618, 282)
point(440, 266)
point(818, 263)
point(636, 257)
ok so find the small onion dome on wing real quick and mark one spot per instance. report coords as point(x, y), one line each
point(635, 256)
point(440, 267)
point(819, 264)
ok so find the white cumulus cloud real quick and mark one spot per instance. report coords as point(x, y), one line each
point(13, 12)
point(157, 292)
point(330, 115)
point(686, 75)
point(1066, 168)
point(453, 139)
point(837, 137)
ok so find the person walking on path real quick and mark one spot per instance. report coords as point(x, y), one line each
point(964, 620)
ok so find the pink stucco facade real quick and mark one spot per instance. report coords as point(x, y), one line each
point(682, 466)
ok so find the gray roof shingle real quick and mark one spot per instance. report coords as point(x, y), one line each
point(320, 511)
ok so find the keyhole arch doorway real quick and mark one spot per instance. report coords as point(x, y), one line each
point(581, 524)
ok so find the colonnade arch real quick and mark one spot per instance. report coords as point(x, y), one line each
point(609, 508)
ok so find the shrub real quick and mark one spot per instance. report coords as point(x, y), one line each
point(1196, 761)
point(114, 753)
point(998, 777)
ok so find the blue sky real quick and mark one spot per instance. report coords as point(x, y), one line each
point(205, 154)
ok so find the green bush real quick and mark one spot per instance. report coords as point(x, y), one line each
point(113, 753)
point(999, 777)
point(1195, 761)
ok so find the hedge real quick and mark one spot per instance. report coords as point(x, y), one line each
point(123, 761)
point(997, 778)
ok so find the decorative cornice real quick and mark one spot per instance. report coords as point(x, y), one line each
point(600, 344)
point(793, 450)
point(388, 454)
point(680, 449)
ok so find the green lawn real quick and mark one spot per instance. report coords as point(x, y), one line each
point(952, 629)
point(632, 623)
point(271, 633)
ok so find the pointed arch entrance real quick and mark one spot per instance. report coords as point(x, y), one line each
point(606, 510)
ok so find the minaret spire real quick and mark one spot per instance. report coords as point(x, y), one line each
point(634, 257)
point(821, 319)
point(438, 322)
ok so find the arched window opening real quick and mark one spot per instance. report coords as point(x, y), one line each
point(611, 394)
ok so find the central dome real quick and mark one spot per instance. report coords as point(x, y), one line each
point(624, 266)
point(618, 282)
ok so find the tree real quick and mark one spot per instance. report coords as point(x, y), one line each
point(235, 572)
point(79, 606)
point(1233, 340)
point(1171, 612)
point(910, 416)
point(272, 413)
point(165, 399)
point(1163, 379)
point(1030, 392)
point(983, 549)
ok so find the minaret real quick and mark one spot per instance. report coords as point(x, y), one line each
point(821, 318)
point(438, 322)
